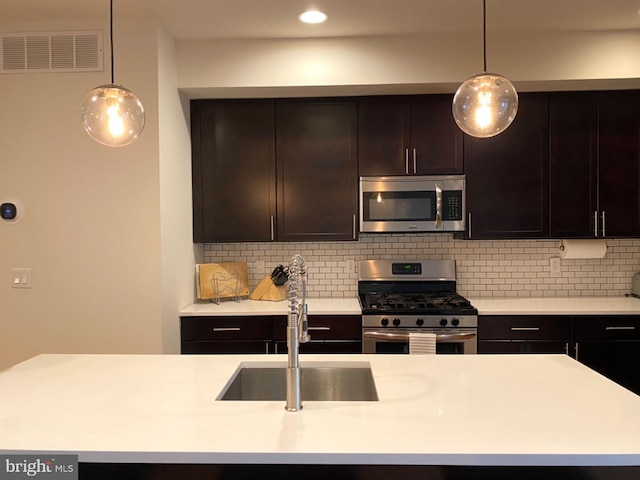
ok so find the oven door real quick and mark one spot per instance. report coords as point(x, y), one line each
point(396, 340)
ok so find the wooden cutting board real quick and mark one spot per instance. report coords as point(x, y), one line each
point(228, 275)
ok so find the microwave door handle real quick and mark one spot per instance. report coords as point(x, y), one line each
point(438, 205)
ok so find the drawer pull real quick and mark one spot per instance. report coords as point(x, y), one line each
point(319, 329)
point(525, 329)
point(226, 329)
point(630, 327)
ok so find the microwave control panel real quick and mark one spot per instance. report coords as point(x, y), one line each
point(452, 205)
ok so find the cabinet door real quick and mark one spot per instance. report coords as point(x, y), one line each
point(573, 176)
point(436, 140)
point(317, 170)
point(329, 334)
point(383, 136)
point(523, 334)
point(610, 346)
point(524, 347)
point(619, 163)
point(507, 176)
point(226, 334)
point(233, 160)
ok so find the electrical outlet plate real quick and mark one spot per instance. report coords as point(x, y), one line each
point(351, 265)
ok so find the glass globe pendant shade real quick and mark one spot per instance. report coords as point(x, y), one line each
point(112, 115)
point(485, 105)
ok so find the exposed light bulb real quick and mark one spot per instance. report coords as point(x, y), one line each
point(116, 122)
point(379, 198)
point(485, 105)
point(112, 115)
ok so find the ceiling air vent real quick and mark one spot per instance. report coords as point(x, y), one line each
point(51, 52)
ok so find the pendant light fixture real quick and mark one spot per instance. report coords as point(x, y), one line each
point(111, 114)
point(485, 104)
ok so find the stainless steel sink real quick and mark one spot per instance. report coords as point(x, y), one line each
point(321, 381)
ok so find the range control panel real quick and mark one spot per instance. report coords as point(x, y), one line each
point(406, 268)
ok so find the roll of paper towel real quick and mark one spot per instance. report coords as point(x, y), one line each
point(583, 248)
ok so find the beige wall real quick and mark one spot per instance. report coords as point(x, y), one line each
point(91, 229)
point(178, 251)
point(417, 63)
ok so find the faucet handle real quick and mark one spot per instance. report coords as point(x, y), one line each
point(303, 335)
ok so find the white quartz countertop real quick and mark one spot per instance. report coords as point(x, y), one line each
point(557, 306)
point(316, 306)
point(433, 410)
point(485, 306)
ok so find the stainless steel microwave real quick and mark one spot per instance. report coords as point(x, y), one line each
point(412, 204)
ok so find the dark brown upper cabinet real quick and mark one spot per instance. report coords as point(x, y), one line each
point(595, 164)
point(619, 163)
point(233, 162)
point(507, 176)
point(317, 169)
point(416, 135)
point(573, 152)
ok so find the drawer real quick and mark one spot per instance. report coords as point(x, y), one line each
point(325, 327)
point(523, 327)
point(602, 328)
point(226, 328)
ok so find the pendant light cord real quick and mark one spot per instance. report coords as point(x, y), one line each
point(111, 35)
point(484, 35)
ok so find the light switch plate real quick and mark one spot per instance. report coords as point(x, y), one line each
point(21, 277)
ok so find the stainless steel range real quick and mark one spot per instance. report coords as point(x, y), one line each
point(400, 297)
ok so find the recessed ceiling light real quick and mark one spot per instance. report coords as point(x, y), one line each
point(313, 16)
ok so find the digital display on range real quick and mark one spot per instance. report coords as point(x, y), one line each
point(406, 268)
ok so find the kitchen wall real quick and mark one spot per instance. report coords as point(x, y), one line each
point(508, 268)
point(91, 226)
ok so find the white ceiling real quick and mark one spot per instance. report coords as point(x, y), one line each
point(278, 18)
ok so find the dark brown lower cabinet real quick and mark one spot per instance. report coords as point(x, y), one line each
point(268, 334)
point(159, 471)
point(226, 335)
point(609, 345)
point(523, 334)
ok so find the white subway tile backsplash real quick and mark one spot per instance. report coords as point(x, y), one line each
point(505, 268)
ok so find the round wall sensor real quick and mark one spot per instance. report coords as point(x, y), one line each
point(10, 211)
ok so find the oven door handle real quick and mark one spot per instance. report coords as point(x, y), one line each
point(404, 337)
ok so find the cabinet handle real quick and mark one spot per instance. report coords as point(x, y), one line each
point(525, 329)
point(266, 348)
point(406, 161)
point(566, 348)
point(273, 230)
point(469, 224)
point(226, 329)
point(576, 348)
point(604, 229)
point(415, 161)
point(595, 223)
point(630, 327)
point(354, 226)
point(318, 329)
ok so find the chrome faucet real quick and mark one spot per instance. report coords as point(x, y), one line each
point(297, 330)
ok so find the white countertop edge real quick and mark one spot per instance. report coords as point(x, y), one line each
point(276, 458)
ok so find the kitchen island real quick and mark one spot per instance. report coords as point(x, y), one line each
point(466, 413)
